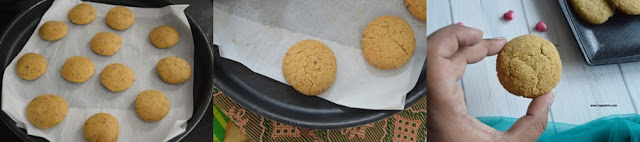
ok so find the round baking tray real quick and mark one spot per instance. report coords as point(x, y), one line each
point(16, 34)
point(280, 102)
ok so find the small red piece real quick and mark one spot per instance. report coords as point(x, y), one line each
point(541, 26)
point(460, 23)
point(509, 15)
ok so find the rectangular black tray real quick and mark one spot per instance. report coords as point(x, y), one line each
point(615, 41)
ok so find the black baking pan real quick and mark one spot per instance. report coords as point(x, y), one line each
point(20, 29)
point(280, 102)
point(615, 41)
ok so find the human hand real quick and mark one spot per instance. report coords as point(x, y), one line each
point(449, 50)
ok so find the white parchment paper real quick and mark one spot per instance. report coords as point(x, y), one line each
point(88, 98)
point(259, 33)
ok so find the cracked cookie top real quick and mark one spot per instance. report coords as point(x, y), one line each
point(593, 11)
point(309, 67)
point(529, 66)
point(388, 42)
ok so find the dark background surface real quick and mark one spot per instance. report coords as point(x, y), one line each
point(202, 12)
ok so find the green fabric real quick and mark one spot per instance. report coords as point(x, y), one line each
point(219, 124)
point(613, 128)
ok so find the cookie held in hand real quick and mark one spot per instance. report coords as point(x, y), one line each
point(529, 66)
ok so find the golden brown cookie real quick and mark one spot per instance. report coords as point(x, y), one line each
point(593, 11)
point(529, 66)
point(47, 111)
point(31, 66)
point(631, 7)
point(388, 42)
point(120, 18)
point(53, 30)
point(77, 69)
point(152, 105)
point(173, 70)
point(164, 36)
point(82, 14)
point(117, 77)
point(309, 67)
point(418, 8)
point(101, 127)
point(106, 43)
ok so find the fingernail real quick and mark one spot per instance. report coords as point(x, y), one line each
point(477, 29)
point(498, 38)
point(550, 102)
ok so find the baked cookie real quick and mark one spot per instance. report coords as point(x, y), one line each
point(101, 127)
point(77, 69)
point(117, 77)
point(309, 67)
point(593, 11)
point(106, 43)
point(164, 36)
point(53, 30)
point(388, 42)
point(82, 14)
point(47, 111)
point(418, 8)
point(173, 70)
point(120, 18)
point(529, 66)
point(152, 105)
point(31, 66)
point(631, 7)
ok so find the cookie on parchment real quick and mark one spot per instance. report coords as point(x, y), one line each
point(593, 11)
point(31, 66)
point(101, 127)
point(53, 30)
point(418, 8)
point(77, 69)
point(310, 67)
point(117, 77)
point(388, 42)
point(120, 18)
point(164, 36)
point(529, 66)
point(152, 105)
point(173, 70)
point(106, 43)
point(631, 7)
point(82, 14)
point(47, 111)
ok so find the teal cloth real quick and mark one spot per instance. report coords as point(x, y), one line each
point(613, 128)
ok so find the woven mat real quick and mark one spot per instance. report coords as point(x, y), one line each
point(407, 126)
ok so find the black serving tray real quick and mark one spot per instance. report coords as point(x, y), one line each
point(615, 41)
point(280, 102)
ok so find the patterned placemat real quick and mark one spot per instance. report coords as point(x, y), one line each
point(407, 126)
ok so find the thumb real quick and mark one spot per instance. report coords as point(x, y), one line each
point(531, 126)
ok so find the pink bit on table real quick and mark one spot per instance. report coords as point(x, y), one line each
point(509, 15)
point(541, 26)
point(460, 23)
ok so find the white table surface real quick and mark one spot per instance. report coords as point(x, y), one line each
point(581, 85)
